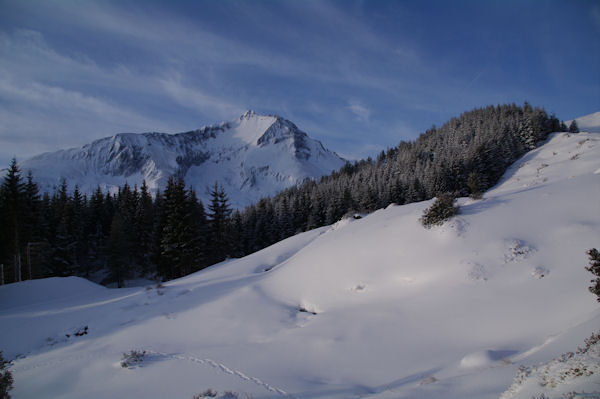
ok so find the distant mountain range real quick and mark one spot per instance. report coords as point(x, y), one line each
point(251, 157)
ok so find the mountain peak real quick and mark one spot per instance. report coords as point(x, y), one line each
point(251, 126)
point(249, 114)
point(251, 157)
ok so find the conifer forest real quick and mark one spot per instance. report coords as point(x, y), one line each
point(171, 234)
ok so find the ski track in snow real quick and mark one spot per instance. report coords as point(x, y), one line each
point(96, 354)
point(219, 367)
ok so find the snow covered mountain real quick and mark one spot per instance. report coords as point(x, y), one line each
point(376, 308)
point(252, 157)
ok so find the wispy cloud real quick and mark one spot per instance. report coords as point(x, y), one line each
point(50, 118)
point(336, 68)
point(194, 98)
point(361, 112)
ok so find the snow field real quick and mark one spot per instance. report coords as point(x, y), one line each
point(374, 308)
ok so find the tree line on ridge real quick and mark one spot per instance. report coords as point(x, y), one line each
point(115, 237)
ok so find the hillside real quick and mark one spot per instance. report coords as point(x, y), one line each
point(377, 307)
point(251, 157)
point(588, 123)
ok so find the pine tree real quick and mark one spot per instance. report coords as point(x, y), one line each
point(32, 205)
point(473, 183)
point(563, 127)
point(183, 223)
point(174, 227)
point(238, 248)
point(77, 233)
point(97, 229)
point(594, 268)
point(158, 226)
point(62, 242)
point(144, 220)
point(441, 210)
point(218, 216)
point(573, 128)
point(196, 247)
point(13, 194)
point(34, 229)
point(118, 252)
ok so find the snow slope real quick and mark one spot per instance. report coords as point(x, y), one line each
point(252, 157)
point(372, 308)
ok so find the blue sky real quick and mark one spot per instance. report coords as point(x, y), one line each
point(358, 75)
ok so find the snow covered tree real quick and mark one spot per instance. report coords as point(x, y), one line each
point(573, 128)
point(473, 183)
point(162, 233)
point(6, 378)
point(441, 210)
point(594, 268)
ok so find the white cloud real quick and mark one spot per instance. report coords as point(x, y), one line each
point(361, 112)
point(40, 117)
point(194, 98)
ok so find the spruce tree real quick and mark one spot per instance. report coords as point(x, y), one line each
point(442, 209)
point(174, 229)
point(196, 239)
point(182, 231)
point(144, 220)
point(77, 233)
point(13, 197)
point(62, 238)
point(97, 229)
point(34, 229)
point(594, 268)
point(236, 235)
point(573, 128)
point(473, 183)
point(218, 216)
point(32, 204)
point(563, 127)
point(118, 252)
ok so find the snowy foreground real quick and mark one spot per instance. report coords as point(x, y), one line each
point(372, 308)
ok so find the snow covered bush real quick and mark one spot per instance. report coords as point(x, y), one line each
point(589, 343)
point(133, 358)
point(6, 378)
point(209, 393)
point(574, 369)
point(442, 209)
